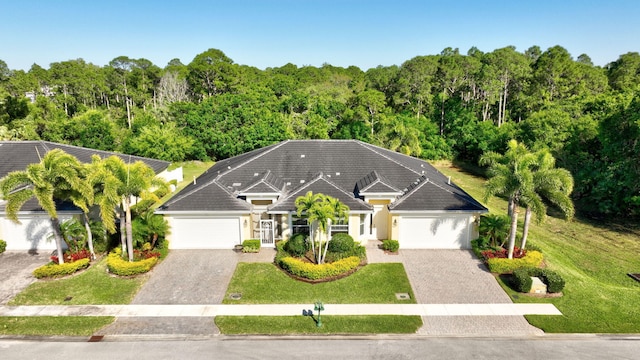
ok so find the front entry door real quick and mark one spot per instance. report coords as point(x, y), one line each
point(267, 233)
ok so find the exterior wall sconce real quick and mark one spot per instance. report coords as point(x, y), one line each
point(245, 223)
point(395, 222)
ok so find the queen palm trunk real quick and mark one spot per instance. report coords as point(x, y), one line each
point(57, 233)
point(123, 231)
point(525, 229)
point(89, 236)
point(128, 227)
point(514, 230)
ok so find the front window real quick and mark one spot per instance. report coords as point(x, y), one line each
point(300, 226)
point(340, 226)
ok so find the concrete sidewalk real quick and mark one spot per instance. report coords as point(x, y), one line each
point(281, 310)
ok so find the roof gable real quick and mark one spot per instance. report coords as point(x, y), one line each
point(320, 185)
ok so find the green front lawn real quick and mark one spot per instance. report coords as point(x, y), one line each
point(93, 286)
point(306, 325)
point(52, 325)
point(592, 257)
point(261, 283)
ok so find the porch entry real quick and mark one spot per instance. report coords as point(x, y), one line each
point(380, 219)
point(267, 233)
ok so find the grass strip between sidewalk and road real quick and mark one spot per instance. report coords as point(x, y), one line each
point(306, 325)
point(262, 283)
point(53, 325)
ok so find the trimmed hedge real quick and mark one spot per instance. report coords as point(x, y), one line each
point(251, 246)
point(318, 271)
point(522, 279)
point(506, 266)
point(297, 245)
point(3, 246)
point(117, 265)
point(341, 243)
point(56, 270)
point(390, 245)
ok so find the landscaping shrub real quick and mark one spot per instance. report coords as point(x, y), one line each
point(251, 246)
point(390, 245)
point(297, 245)
point(3, 246)
point(311, 271)
point(119, 266)
point(522, 279)
point(73, 256)
point(341, 243)
point(506, 266)
point(55, 270)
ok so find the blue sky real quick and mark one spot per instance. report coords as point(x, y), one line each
point(304, 32)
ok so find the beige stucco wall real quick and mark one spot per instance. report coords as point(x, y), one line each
point(395, 227)
point(245, 232)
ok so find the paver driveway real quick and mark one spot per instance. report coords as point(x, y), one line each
point(16, 268)
point(457, 277)
point(185, 277)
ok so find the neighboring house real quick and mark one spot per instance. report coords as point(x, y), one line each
point(35, 226)
point(390, 196)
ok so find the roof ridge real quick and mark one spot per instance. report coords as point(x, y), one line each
point(229, 169)
point(315, 179)
point(192, 191)
point(374, 149)
point(406, 195)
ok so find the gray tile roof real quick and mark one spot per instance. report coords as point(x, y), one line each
point(320, 185)
point(349, 165)
point(17, 155)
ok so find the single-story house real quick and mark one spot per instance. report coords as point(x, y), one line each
point(35, 226)
point(390, 196)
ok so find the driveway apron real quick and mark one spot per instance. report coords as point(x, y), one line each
point(183, 277)
point(16, 272)
point(455, 277)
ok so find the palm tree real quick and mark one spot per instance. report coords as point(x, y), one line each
point(55, 177)
point(320, 210)
point(511, 176)
point(551, 184)
point(495, 228)
point(130, 181)
point(304, 204)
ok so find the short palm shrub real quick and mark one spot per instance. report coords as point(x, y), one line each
point(3, 246)
point(296, 245)
point(390, 245)
point(522, 279)
point(251, 246)
point(119, 266)
point(55, 270)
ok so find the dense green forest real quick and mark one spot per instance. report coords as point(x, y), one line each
point(445, 106)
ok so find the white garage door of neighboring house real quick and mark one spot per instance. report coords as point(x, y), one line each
point(446, 232)
point(204, 233)
point(33, 232)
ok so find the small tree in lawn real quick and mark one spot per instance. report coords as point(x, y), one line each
point(319, 210)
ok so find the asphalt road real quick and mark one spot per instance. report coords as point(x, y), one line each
point(547, 347)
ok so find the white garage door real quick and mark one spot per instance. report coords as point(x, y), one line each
point(204, 233)
point(447, 232)
point(33, 233)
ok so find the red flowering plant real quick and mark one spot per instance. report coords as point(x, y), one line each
point(144, 254)
point(70, 257)
point(503, 253)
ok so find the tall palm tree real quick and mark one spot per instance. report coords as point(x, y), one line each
point(55, 177)
point(551, 184)
point(304, 204)
point(130, 180)
point(340, 211)
point(511, 176)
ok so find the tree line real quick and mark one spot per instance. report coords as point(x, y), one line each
point(445, 106)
